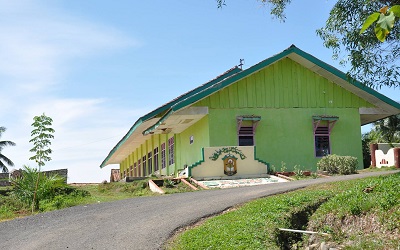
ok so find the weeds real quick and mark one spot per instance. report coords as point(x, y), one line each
point(169, 183)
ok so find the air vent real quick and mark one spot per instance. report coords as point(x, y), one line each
point(186, 121)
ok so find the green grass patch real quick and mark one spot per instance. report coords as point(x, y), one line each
point(252, 226)
point(366, 213)
point(255, 224)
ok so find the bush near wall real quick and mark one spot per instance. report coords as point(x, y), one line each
point(336, 164)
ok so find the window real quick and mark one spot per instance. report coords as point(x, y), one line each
point(246, 128)
point(322, 145)
point(144, 165)
point(149, 162)
point(163, 160)
point(131, 171)
point(124, 173)
point(155, 159)
point(135, 169)
point(246, 136)
point(171, 151)
point(323, 125)
point(139, 168)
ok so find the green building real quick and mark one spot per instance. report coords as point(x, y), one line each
point(290, 108)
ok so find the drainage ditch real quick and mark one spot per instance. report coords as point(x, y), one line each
point(298, 219)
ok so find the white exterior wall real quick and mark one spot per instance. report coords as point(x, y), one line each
point(385, 155)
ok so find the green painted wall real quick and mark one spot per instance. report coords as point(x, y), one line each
point(287, 134)
point(285, 84)
point(191, 153)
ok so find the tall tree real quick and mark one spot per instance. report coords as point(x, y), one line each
point(371, 62)
point(4, 161)
point(389, 128)
point(41, 135)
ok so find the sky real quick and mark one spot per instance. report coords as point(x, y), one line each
point(96, 66)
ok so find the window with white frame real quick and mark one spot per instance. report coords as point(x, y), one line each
point(171, 151)
point(163, 156)
point(155, 153)
point(322, 145)
point(150, 162)
point(323, 125)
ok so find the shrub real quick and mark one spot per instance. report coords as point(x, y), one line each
point(336, 164)
point(25, 186)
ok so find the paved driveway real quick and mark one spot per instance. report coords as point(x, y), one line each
point(139, 223)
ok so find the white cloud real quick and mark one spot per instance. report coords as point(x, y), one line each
point(37, 42)
point(39, 45)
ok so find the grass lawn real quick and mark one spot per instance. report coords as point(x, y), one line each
point(339, 209)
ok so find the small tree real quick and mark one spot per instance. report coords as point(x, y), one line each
point(41, 135)
point(25, 189)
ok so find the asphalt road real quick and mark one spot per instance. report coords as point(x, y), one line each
point(138, 223)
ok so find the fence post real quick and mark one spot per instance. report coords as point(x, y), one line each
point(372, 148)
point(396, 153)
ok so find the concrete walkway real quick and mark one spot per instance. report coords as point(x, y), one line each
point(138, 223)
point(242, 182)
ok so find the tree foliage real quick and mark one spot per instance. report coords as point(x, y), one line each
point(384, 19)
point(41, 135)
point(370, 61)
point(389, 129)
point(277, 7)
point(4, 160)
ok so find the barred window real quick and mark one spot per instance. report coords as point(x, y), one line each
point(171, 151)
point(246, 136)
point(322, 141)
point(150, 162)
point(155, 151)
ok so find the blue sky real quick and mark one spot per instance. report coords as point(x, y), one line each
point(96, 66)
